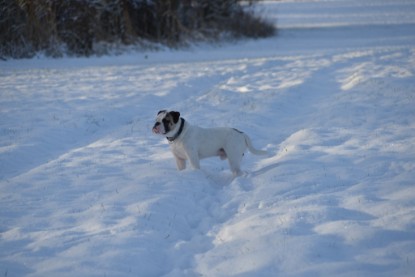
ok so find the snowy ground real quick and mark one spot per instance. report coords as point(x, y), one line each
point(87, 190)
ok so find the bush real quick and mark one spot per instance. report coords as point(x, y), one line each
point(75, 26)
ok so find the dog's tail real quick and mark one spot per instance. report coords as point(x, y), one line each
point(251, 148)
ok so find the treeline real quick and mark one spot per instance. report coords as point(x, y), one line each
point(76, 27)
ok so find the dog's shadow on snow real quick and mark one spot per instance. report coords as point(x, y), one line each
point(224, 178)
point(264, 169)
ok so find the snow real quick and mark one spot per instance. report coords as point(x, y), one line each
point(87, 190)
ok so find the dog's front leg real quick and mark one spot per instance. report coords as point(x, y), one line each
point(195, 163)
point(181, 163)
point(194, 159)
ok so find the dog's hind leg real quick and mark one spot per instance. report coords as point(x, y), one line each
point(236, 170)
point(235, 159)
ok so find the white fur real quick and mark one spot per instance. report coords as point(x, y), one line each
point(196, 143)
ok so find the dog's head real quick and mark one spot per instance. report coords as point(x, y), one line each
point(165, 122)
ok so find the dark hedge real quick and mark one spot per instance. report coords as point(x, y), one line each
point(72, 27)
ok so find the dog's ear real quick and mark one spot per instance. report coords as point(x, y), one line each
point(162, 111)
point(176, 116)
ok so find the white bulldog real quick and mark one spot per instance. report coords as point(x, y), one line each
point(193, 143)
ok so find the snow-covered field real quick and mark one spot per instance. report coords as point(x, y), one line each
point(87, 190)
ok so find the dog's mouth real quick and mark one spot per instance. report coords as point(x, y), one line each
point(157, 129)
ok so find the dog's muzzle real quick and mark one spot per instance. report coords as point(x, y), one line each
point(156, 128)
